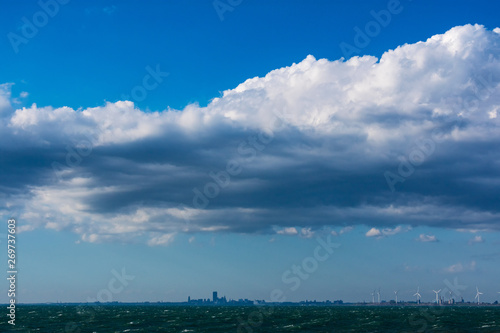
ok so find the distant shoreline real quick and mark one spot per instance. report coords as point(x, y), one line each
point(311, 304)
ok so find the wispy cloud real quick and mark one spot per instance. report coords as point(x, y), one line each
point(459, 267)
point(374, 232)
point(163, 239)
point(292, 231)
point(306, 233)
point(109, 9)
point(476, 239)
point(426, 238)
point(410, 268)
point(96, 10)
point(342, 231)
point(288, 231)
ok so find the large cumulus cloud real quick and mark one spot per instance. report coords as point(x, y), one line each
point(410, 138)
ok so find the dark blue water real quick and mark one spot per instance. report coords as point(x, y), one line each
point(163, 318)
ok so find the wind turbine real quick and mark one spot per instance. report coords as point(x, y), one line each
point(477, 295)
point(396, 292)
point(378, 295)
point(437, 293)
point(418, 295)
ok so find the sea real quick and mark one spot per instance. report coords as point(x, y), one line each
point(249, 319)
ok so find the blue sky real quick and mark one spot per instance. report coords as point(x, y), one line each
point(139, 104)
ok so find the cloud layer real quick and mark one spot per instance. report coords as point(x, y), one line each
point(411, 138)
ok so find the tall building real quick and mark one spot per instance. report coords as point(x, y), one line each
point(214, 296)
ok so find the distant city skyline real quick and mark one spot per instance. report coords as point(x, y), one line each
point(452, 299)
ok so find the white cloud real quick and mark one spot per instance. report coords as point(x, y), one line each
point(162, 240)
point(306, 233)
point(396, 230)
point(410, 268)
point(476, 239)
point(345, 230)
point(472, 231)
point(5, 97)
point(374, 232)
point(341, 125)
point(342, 231)
point(459, 267)
point(426, 238)
point(288, 231)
